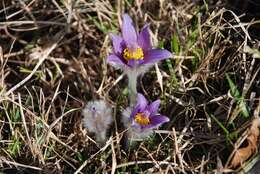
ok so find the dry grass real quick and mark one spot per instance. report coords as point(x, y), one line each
point(52, 61)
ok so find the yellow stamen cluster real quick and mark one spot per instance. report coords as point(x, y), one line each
point(141, 119)
point(136, 55)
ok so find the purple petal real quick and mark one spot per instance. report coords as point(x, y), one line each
point(159, 119)
point(141, 102)
point(134, 112)
point(156, 121)
point(144, 39)
point(136, 125)
point(146, 112)
point(154, 106)
point(131, 63)
point(128, 32)
point(118, 44)
point(155, 55)
point(134, 63)
point(115, 59)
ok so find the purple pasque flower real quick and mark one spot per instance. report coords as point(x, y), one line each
point(146, 116)
point(134, 49)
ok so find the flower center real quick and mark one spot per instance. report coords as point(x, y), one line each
point(141, 119)
point(137, 54)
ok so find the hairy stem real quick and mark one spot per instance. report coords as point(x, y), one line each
point(132, 82)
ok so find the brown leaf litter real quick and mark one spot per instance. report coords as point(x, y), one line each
point(244, 153)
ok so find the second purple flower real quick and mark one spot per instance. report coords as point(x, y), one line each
point(143, 118)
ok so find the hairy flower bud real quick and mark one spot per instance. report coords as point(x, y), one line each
point(97, 118)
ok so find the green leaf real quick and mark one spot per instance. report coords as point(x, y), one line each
point(125, 91)
point(220, 124)
point(80, 157)
point(99, 24)
point(15, 147)
point(243, 108)
point(234, 91)
point(17, 116)
point(241, 104)
point(175, 45)
point(161, 44)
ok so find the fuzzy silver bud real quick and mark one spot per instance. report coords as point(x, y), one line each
point(97, 118)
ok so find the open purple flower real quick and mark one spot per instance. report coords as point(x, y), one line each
point(146, 116)
point(133, 53)
point(134, 49)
